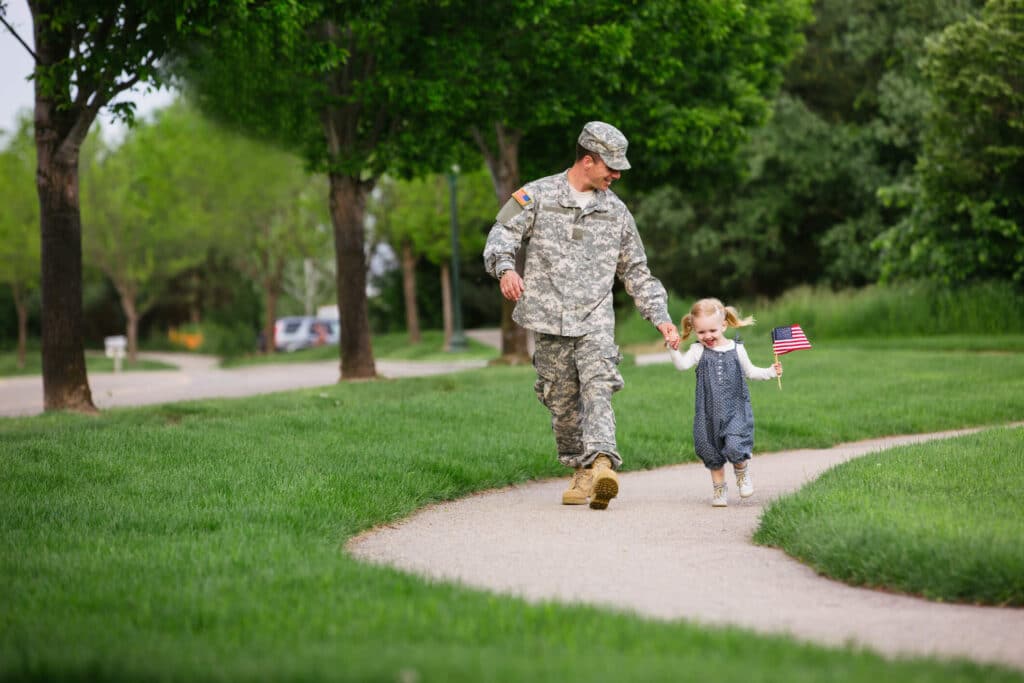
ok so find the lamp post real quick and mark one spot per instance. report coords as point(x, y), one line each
point(458, 341)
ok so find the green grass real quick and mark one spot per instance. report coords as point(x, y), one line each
point(95, 361)
point(830, 396)
point(756, 338)
point(203, 540)
point(940, 520)
point(394, 346)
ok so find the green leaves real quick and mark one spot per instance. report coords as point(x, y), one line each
point(349, 86)
point(419, 211)
point(181, 187)
point(966, 218)
point(19, 218)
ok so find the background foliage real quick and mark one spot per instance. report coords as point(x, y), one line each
point(891, 153)
point(893, 150)
point(965, 200)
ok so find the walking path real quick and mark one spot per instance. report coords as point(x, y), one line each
point(199, 377)
point(662, 551)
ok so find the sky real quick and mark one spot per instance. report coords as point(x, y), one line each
point(16, 93)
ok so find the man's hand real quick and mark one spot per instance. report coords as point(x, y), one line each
point(512, 285)
point(670, 333)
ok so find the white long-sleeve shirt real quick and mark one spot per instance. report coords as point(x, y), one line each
point(685, 361)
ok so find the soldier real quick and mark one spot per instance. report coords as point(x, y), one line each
point(578, 236)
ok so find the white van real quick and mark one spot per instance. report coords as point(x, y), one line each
point(304, 332)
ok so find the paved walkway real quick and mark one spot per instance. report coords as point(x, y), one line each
point(662, 551)
point(199, 377)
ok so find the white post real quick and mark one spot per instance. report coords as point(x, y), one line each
point(115, 348)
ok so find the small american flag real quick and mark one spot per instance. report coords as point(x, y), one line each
point(788, 338)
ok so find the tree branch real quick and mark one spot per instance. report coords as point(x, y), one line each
point(101, 79)
point(482, 145)
point(18, 38)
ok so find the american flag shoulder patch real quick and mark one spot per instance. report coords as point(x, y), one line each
point(522, 197)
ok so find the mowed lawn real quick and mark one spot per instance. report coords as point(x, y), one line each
point(940, 520)
point(203, 541)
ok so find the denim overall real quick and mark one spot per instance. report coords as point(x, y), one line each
point(723, 421)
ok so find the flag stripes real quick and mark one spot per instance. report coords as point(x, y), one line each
point(788, 338)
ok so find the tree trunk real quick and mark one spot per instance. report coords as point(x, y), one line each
point(269, 326)
point(131, 316)
point(412, 311)
point(504, 167)
point(348, 209)
point(195, 315)
point(446, 304)
point(65, 383)
point(22, 309)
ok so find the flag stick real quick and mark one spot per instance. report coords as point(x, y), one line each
point(778, 377)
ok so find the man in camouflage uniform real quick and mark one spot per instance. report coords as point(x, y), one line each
point(578, 236)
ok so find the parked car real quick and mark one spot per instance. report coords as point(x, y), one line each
point(304, 332)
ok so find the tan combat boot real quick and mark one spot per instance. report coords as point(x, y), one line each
point(605, 483)
point(579, 488)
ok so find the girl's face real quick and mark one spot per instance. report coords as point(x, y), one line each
point(710, 329)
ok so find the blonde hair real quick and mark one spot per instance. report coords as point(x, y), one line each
point(706, 307)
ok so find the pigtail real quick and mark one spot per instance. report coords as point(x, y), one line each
point(732, 318)
point(687, 324)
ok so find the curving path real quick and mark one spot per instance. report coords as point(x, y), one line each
point(661, 551)
point(198, 376)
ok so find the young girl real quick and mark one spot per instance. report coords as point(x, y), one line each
point(723, 421)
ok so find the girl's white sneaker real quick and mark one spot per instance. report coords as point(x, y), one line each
point(720, 499)
point(744, 482)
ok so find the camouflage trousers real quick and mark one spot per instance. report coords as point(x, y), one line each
point(576, 377)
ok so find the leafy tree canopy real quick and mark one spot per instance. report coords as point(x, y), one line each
point(19, 219)
point(966, 198)
point(684, 80)
point(419, 211)
point(278, 70)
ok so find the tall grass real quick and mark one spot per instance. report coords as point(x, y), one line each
point(907, 310)
point(890, 313)
point(203, 541)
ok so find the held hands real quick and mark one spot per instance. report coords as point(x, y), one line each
point(671, 335)
point(512, 285)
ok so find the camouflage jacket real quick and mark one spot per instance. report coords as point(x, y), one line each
point(573, 255)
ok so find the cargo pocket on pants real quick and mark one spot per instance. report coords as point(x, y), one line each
point(545, 379)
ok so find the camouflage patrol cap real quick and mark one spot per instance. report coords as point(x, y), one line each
point(606, 140)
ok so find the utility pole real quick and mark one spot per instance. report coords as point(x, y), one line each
point(458, 341)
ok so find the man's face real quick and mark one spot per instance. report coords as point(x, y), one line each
point(597, 173)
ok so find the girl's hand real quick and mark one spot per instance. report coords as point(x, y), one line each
point(778, 368)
